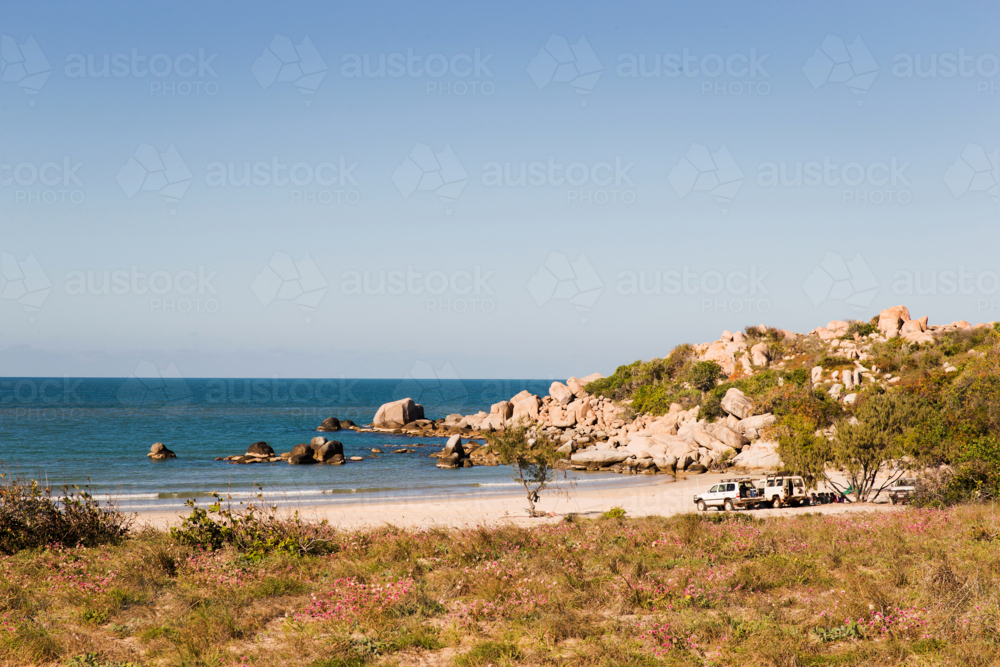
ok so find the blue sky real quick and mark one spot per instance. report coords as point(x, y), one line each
point(656, 209)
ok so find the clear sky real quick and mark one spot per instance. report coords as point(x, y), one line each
point(482, 189)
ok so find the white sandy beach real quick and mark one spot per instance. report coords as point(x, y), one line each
point(660, 496)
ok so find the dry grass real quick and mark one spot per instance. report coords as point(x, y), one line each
point(916, 587)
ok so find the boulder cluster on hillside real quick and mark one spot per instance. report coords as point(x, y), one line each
point(597, 433)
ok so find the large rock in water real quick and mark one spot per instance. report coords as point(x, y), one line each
point(159, 452)
point(260, 449)
point(329, 424)
point(328, 451)
point(737, 404)
point(402, 411)
point(301, 459)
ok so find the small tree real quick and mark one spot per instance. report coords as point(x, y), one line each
point(877, 441)
point(533, 460)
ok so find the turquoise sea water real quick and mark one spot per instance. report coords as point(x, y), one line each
point(98, 431)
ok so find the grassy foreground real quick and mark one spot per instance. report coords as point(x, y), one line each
point(914, 587)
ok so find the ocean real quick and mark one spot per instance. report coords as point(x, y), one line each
point(96, 432)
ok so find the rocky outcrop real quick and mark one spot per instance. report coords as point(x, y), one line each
point(399, 412)
point(329, 424)
point(159, 452)
point(454, 455)
point(760, 455)
point(260, 449)
point(891, 320)
point(560, 393)
point(737, 404)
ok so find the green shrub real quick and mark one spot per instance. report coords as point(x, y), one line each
point(614, 513)
point(254, 528)
point(33, 516)
point(703, 374)
point(861, 328)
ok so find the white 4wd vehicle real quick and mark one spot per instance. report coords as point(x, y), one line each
point(729, 494)
point(902, 490)
point(782, 490)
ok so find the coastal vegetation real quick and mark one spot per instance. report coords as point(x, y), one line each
point(940, 410)
point(912, 586)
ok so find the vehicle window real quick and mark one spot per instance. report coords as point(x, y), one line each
point(714, 489)
point(730, 487)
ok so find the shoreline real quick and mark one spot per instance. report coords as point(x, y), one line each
point(660, 495)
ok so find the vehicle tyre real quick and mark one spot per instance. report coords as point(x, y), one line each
point(776, 503)
point(702, 506)
point(728, 505)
